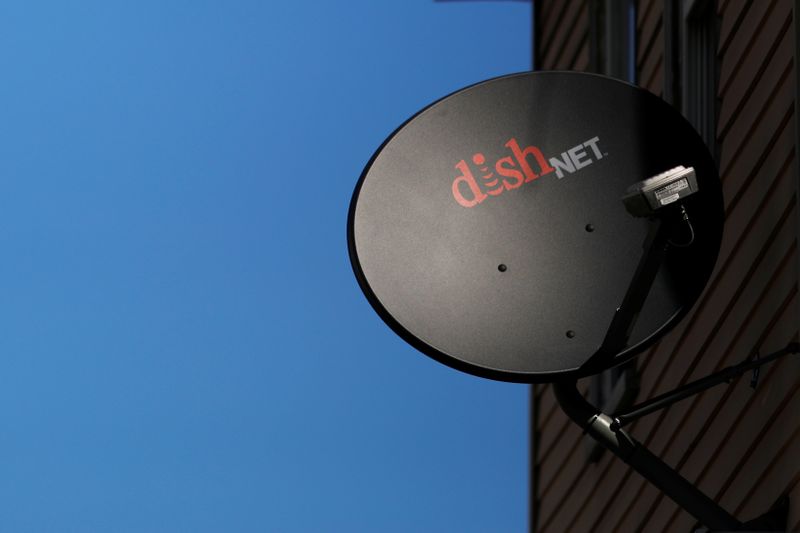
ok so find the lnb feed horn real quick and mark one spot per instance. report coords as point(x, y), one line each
point(647, 197)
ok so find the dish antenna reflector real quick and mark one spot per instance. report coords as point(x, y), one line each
point(490, 231)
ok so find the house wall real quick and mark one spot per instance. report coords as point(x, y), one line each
point(740, 445)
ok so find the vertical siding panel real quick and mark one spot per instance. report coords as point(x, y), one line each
point(732, 16)
point(655, 83)
point(774, 473)
point(552, 418)
point(557, 507)
point(582, 61)
point(643, 8)
point(647, 34)
point(765, 45)
point(745, 162)
point(736, 55)
point(569, 36)
point(554, 14)
point(650, 48)
point(776, 75)
point(557, 461)
point(602, 485)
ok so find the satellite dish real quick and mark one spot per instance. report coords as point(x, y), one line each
point(515, 229)
point(543, 227)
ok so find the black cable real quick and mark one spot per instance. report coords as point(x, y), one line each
point(685, 217)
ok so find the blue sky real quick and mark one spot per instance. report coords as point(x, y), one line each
point(184, 346)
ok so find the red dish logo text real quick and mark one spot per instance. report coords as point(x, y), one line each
point(522, 166)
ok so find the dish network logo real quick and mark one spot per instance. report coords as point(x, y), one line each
point(516, 169)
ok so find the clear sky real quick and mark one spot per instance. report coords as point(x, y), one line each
point(184, 346)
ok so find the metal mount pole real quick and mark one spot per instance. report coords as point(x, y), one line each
point(599, 426)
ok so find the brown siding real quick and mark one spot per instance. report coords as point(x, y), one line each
point(564, 46)
point(650, 46)
point(740, 445)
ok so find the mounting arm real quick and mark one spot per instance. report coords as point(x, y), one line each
point(607, 430)
point(599, 426)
